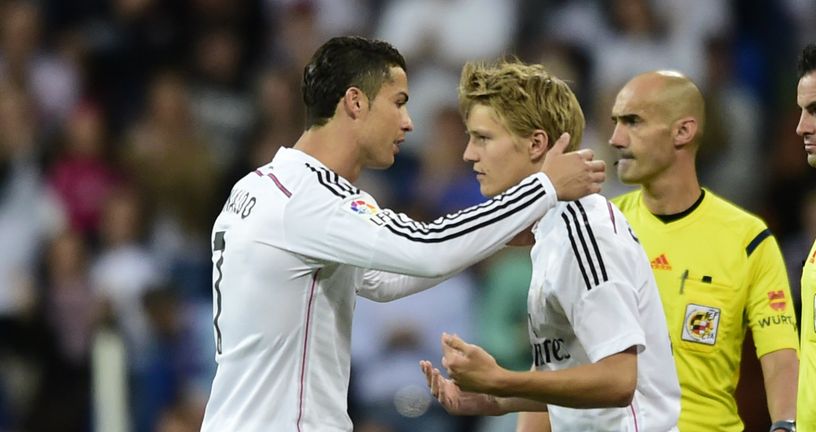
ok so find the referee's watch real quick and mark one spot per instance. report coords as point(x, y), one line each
point(785, 425)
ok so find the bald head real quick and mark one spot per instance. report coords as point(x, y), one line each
point(668, 94)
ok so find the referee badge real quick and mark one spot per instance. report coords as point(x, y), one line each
point(701, 323)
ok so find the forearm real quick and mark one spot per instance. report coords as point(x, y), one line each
point(454, 242)
point(533, 422)
point(780, 371)
point(382, 286)
point(507, 405)
point(607, 383)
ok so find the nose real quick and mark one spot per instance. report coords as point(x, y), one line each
point(407, 123)
point(470, 154)
point(807, 124)
point(618, 138)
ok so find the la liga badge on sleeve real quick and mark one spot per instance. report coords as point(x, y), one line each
point(700, 324)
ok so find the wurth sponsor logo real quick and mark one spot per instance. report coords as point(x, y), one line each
point(661, 263)
point(777, 320)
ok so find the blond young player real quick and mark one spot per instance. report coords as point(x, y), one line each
point(599, 346)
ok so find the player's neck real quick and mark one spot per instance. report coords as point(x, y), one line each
point(671, 193)
point(334, 148)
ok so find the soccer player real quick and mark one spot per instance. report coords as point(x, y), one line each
point(718, 268)
point(296, 241)
point(600, 350)
point(806, 98)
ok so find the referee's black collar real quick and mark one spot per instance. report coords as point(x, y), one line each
point(677, 216)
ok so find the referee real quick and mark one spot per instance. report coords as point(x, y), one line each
point(718, 268)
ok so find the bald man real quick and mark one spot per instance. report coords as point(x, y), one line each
point(718, 268)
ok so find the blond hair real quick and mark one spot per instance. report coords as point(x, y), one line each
point(525, 96)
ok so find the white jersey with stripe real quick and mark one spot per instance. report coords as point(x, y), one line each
point(592, 295)
point(293, 246)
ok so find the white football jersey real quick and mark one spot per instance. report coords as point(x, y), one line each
point(291, 249)
point(592, 295)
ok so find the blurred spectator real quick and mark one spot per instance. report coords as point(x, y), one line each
point(332, 17)
point(221, 105)
point(29, 216)
point(730, 155)
point(437, 37)
point(71, 307)
point(70, 312)
point(29, 211)
point(168, 156)
point(124, 271)
point(294, 35)
point(82, 174)
point(165, 393)
point(278, 103)
point(445, 183)
point(52, 80)
point(127, 42)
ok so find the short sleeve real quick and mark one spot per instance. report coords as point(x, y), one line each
point(770, 305)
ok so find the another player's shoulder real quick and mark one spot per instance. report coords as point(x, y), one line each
point(592, 209)
point(719, 212)
point(593, 214)
point(719, 207)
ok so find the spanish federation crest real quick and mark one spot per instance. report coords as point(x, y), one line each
point(700, 324)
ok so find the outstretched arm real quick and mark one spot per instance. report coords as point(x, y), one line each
point(346, 226)
point(610, 382)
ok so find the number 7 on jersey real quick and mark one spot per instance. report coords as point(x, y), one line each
point(218, 246)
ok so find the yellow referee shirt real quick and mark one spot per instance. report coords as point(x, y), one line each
point(719, 271)
point(806, 402)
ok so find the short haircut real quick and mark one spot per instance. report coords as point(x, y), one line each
point(807, 60)
point(525, 97)
point(341, 63)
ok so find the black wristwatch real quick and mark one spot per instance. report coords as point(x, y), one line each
point(786, 425)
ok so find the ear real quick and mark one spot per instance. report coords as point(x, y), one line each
point(685, 130)
point(539, 145)
point(354, 102)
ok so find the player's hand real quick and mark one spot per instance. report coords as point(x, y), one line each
point(573, 174)
point(524, 238)
point(470, 366)
point(453, 399)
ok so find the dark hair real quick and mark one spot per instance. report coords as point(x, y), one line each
point(343, 62)
point(807, 61)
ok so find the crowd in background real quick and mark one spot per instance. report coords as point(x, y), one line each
point(123, 124)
